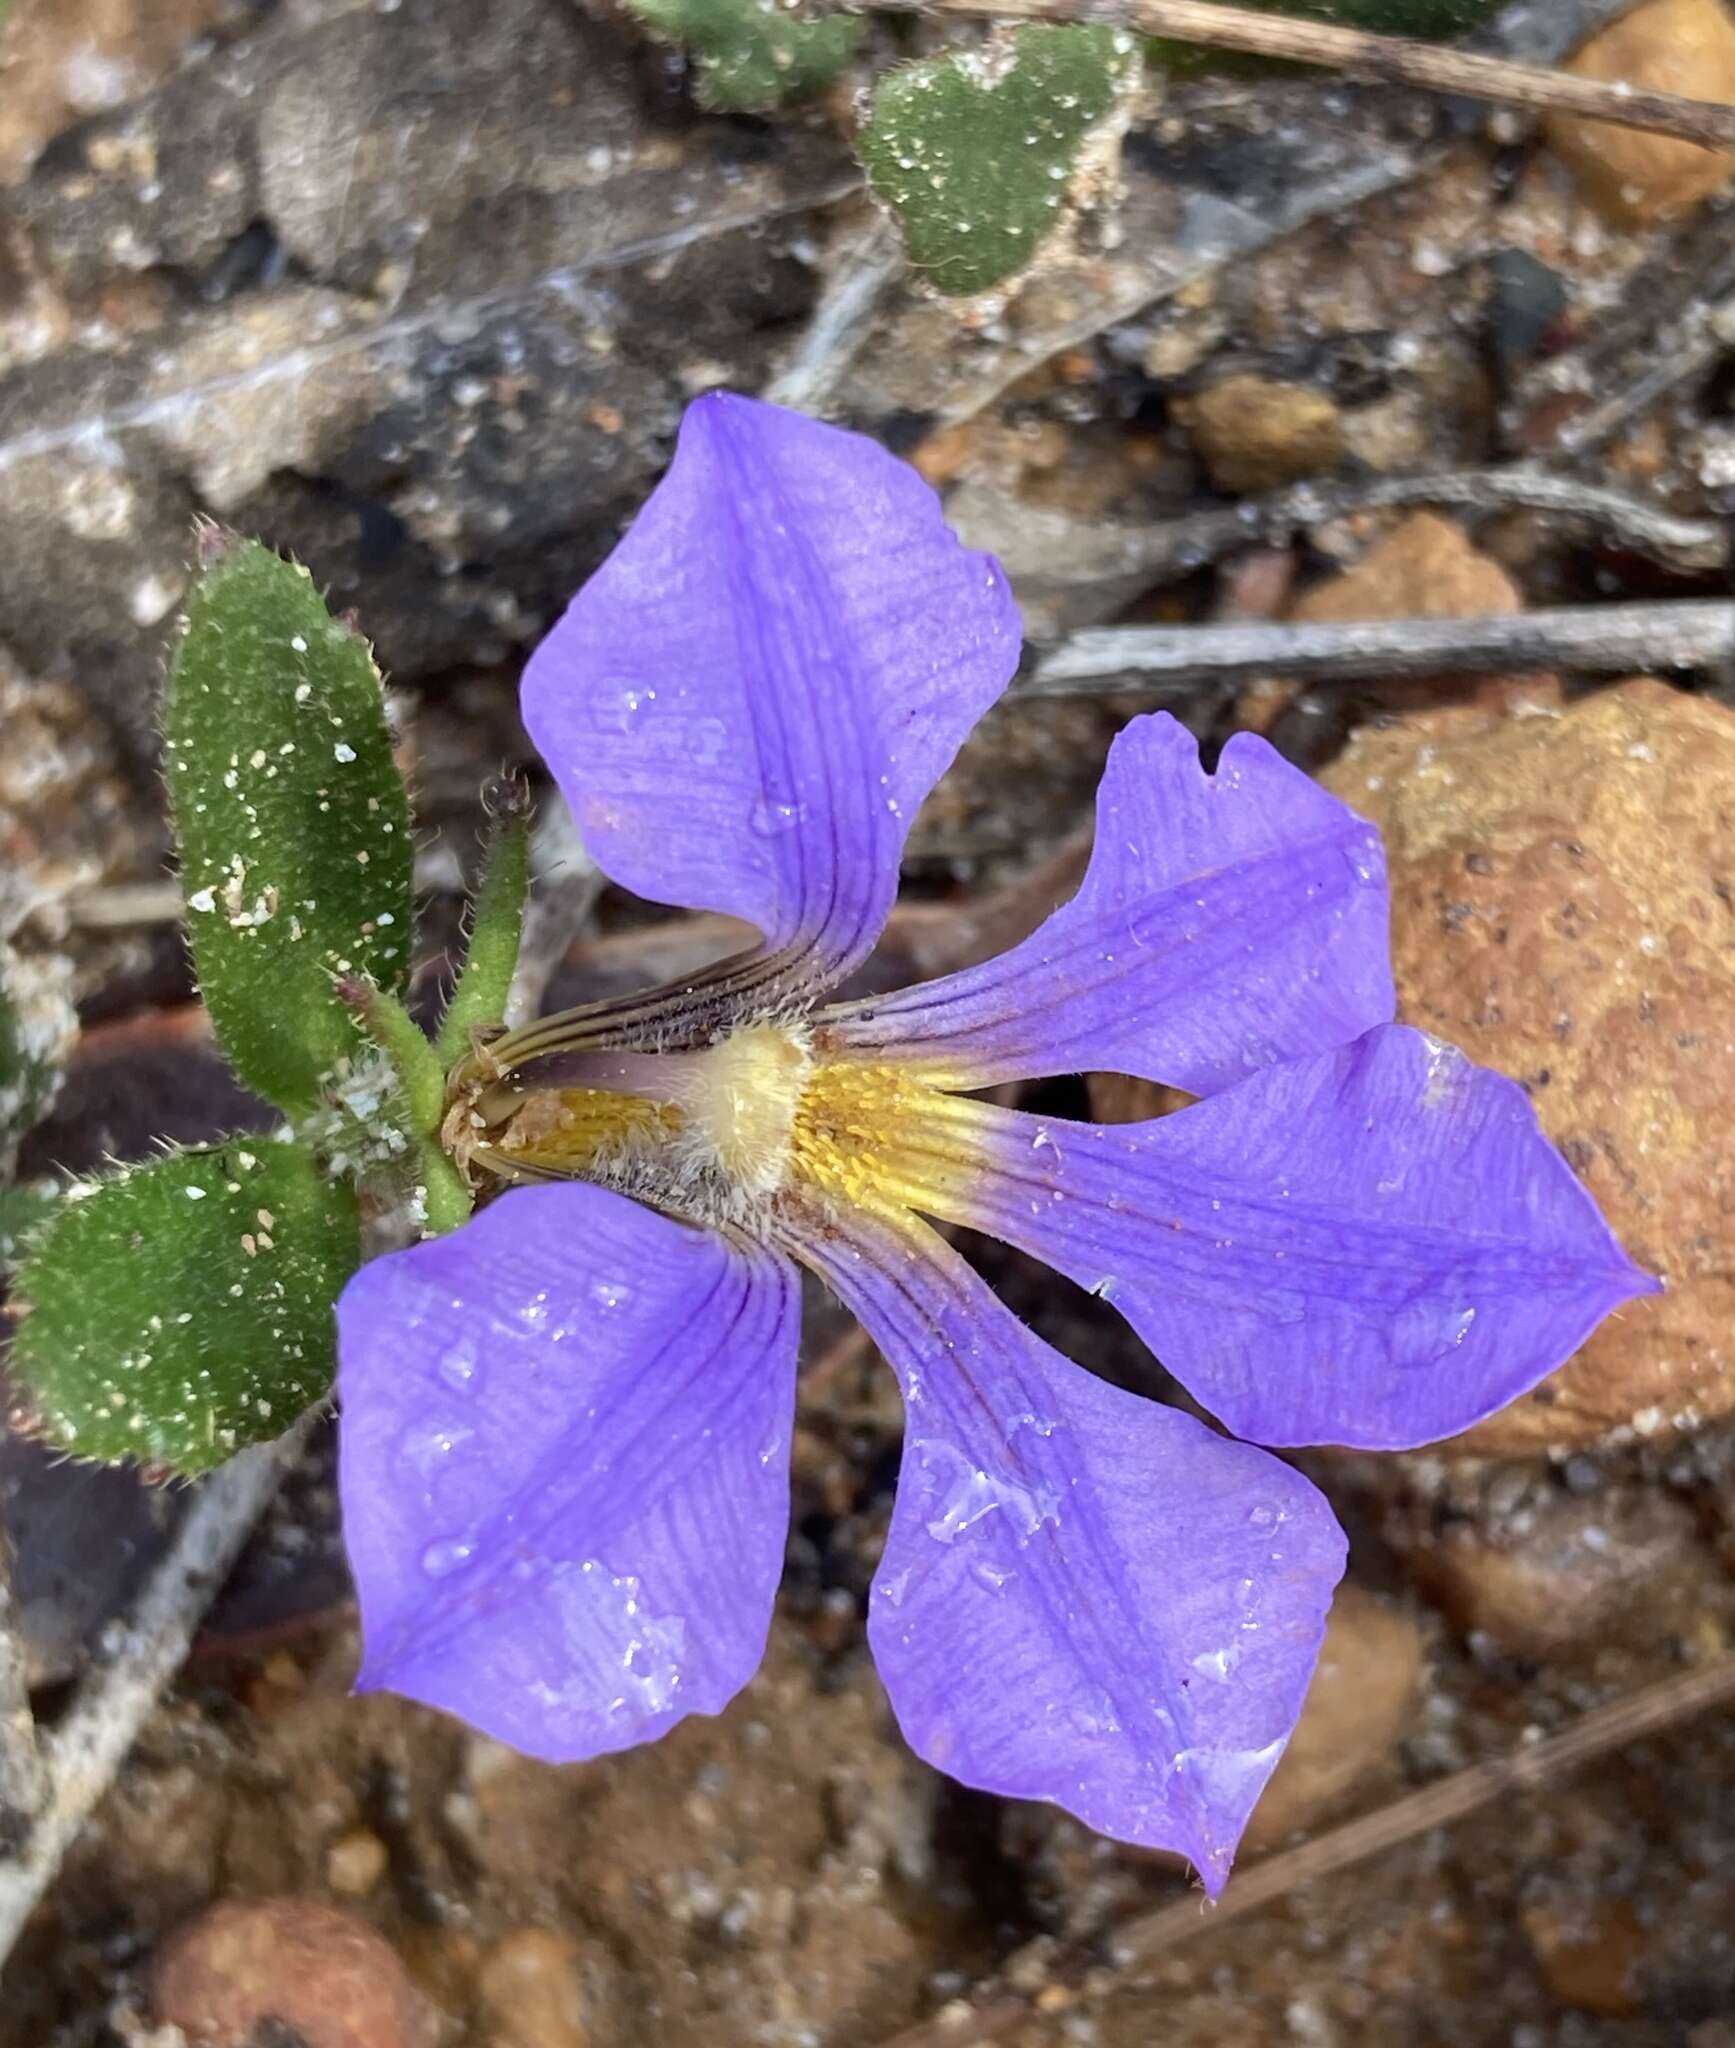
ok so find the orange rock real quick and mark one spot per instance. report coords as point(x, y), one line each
point(250, 1969)
point(1424, 568)
point(1561, 909)
point(1682, 46)
point(1366, 1682)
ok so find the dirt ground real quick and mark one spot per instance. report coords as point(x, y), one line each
point(417, 290)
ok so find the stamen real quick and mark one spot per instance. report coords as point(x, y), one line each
point(877, 1136)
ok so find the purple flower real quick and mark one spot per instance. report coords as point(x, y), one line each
point(567, 1425)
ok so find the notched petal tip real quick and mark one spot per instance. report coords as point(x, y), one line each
point(1376, 1247)
point(1228, 920)
point(1085, 1598)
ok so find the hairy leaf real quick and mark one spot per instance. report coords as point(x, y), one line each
point(292, 819)
point(184, 1308)
point(754, 55)
point(980, 152)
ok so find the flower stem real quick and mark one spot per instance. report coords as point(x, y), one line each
point(497, 924)
point(445, 1198)
point(399, 1037)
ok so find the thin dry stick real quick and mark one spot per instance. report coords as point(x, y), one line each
point(1633, 522)
point(1386, 60)
point(23, 1783)
point(86, 1749)
point(1614, 639)
point(841, 321)
point(1706, 333)
point(1140, 1941)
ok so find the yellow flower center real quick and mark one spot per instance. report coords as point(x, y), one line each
point(720, 1135)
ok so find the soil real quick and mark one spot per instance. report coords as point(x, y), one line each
point(417, 290)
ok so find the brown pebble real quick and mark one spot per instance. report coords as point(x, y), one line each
point(1589, 1958)
point(1575, 1575)
point(1632, 174)
point(1363, 1689)
point(1256, 433)
point(1425, 568)
point(316, 1974)
point(532, 1991)
point(355, 1863)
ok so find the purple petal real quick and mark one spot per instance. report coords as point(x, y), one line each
point(1084, 1597)
point(564, 1468)
point(1375, 1247)
point(748, 701)
point(1227, 921)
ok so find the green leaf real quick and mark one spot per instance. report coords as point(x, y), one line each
point(292, 820)
point(755, 55)
point(38, 1026)
point(980, 152)
point(184, 1308)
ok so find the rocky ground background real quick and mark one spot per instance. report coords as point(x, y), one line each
point(417, 289)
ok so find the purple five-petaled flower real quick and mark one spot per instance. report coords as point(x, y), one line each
point(567, 1425)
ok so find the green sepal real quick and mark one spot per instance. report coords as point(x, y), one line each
point(980, 152)
point(184, 1308)
point(496, 928)
point(755, 55)
point(291, 816)
point(420, 1100)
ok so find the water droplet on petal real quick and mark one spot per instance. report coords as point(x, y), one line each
point(1217, 1664)
point(448, 1555)
point(975, 1492)
point(456, 1365)
point(1424, 1332)
point(427, 1446)
point(770, 818)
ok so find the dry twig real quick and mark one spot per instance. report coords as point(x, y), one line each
point(1385, 60)
point(1140, 1941)
point(83, 1753)
point(841, 321)
point(1615, 639)
point(23, 1784)
point(1632, 522)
